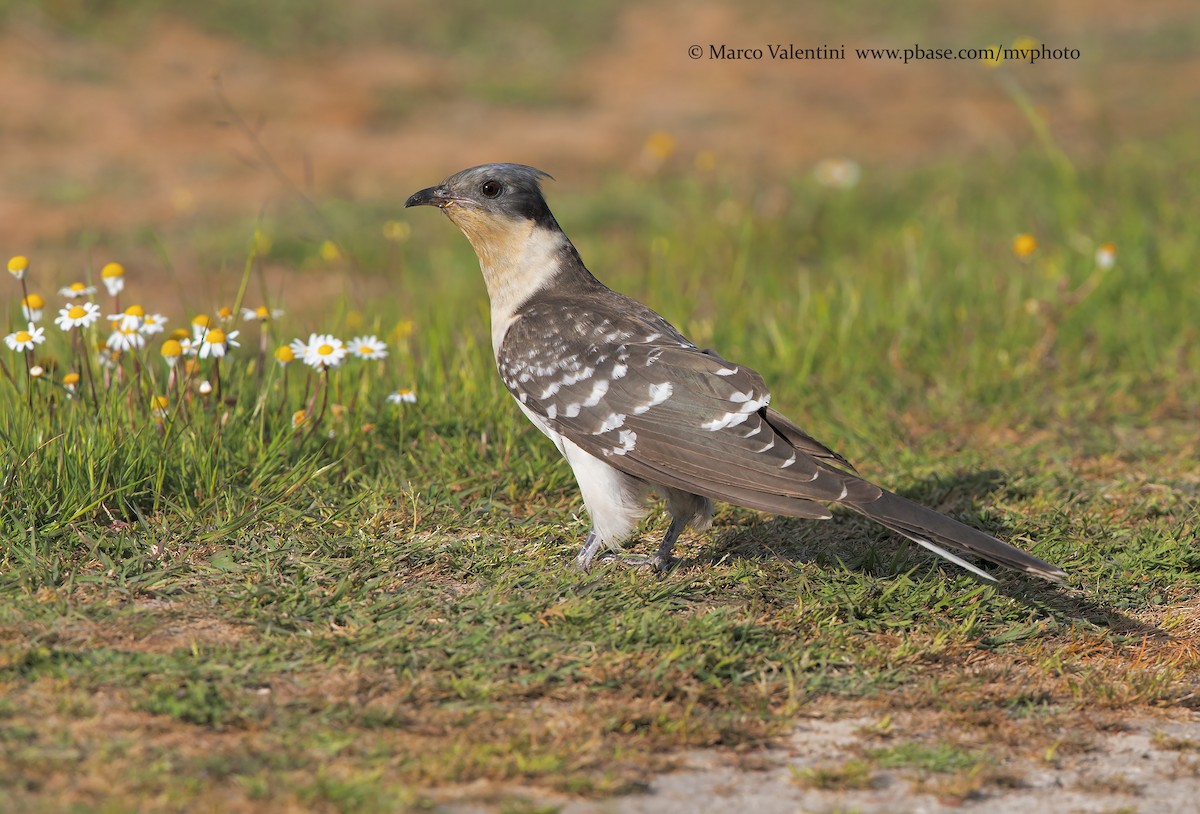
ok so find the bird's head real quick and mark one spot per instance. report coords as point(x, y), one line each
point(500, 208)
point(493, 204)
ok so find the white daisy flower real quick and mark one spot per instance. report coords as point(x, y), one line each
point(153, 324)
point(261, 314)
point(131, 319)
point(205, 387)
point(171, 351)
point(78, 316)
point(1106, 255)
point(26, 340)
point(200, 325)
point(76, 290)
point(108, 358)
point(113, 277)
point(368, 347)
point(123, 339)
point(324, 351)
point(32, 306)
point(216, 344)
point(18, 266)
point(405, 396)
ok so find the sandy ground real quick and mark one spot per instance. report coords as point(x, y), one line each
point(1142, 766)
point(1121, 771)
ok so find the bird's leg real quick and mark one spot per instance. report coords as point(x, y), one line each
point(663, 560)
point(588, 553)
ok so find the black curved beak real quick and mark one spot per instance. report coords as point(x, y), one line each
point(433, 196)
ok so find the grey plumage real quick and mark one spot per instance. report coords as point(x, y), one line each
point(636, 408)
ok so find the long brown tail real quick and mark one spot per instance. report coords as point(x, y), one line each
point(933, 530)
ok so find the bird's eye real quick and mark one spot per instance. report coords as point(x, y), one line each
point(491, 189)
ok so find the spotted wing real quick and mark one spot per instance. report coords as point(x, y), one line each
point(651, 404)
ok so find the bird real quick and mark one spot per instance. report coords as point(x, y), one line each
point(638, 410)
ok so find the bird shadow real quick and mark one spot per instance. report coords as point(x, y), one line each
point(856, 543)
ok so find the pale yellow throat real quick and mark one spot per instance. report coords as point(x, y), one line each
point(516, 256)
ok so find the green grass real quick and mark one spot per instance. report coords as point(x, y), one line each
point(363, 621)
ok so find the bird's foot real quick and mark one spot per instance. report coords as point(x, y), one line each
point(583, 560)
point(665, 565)
point(660, 565)
point(662, 562)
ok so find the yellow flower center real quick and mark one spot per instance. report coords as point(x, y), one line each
point(112, 270)
point(78, 287)
point(135, 311)
point(24, 336)
point(159, 403)
point(1024, 245)
point(325, 350)
point(18, 264)
point(225, 313)
point(261, 312)
point(201, 319)
point(660, 146)
point(215, 337)
point(71, 378)
point(365, 350)
point(34, 301)
point(284, 354)
point(171, 348)
point(77, 312)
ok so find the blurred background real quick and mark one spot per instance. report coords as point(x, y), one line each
point(164, 134)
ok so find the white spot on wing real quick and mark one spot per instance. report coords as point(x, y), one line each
point(754, 405)
point(598, 391)
point(788, 462)
point(611, 423)
point(727, 420)
point(658, 394)
point(726, 371)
